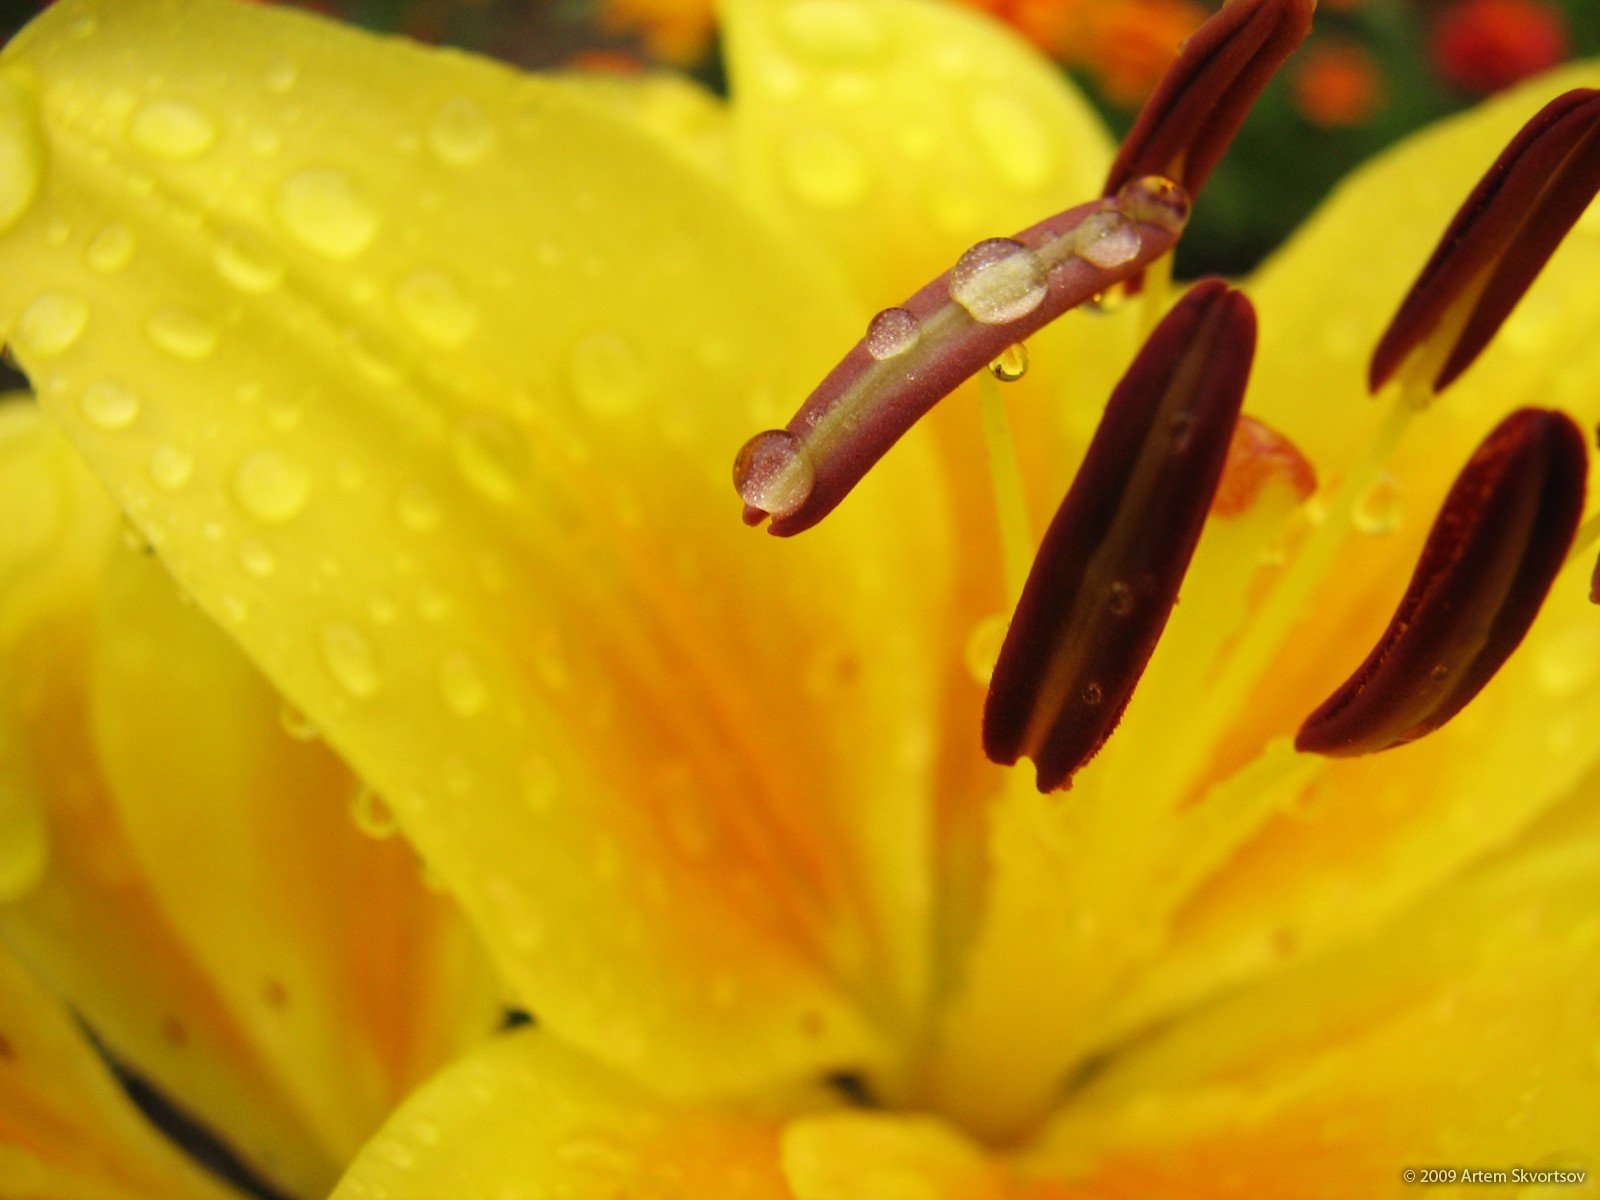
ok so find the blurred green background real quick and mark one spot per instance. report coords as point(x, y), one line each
point(1371, 71)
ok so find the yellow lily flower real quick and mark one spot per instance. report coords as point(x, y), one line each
point(422, 379)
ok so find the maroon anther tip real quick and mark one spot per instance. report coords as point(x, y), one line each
point(1196, 110)
point(1499, 240)
point(999, 292)
point(1496, 547)
point(1109, 568)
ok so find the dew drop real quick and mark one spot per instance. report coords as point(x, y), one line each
point(1377, 511)
point(1154, 200)
point(111, 249)
point(282, 75)
point(492, 455)
point(1092, 695)
point(824, 169)
point(296, 724)
point(983, 647)
point(371, 815)
point(1119, 599)
point(351, 659)
point(998, 280)
point(271, 487)
point(21, 150)
point(461, 132)
point(1109, 301)
point(52, 323)
point(892, 332)
point(1011, 365)
point(1106, 240)
point(181, 333)
point(247, 260)
point(833, 32)
point(171, 466)
point(774, 473)
point(173, 129)
point(323, 209)
point(461, 680)
point(418, 510)
point(605, 374)
point(108, 405)
point(256, 559)
point(436, 307)
point(1013, 139)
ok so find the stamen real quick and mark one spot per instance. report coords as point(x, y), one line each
point(1109, 569)
point(1497, 243)
point(1493, 552)
point(1199, 105)
point(1000, 292)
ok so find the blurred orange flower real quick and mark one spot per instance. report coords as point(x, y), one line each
point(1337, 85)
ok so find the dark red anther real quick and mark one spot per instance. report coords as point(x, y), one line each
point(1109, 569)
point(1498, 242)
point(1197, 108)
point(999, 292)
point(1494, 550)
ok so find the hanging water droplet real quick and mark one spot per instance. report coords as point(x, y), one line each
point(247, 260)
point(296, 724)
point(111, 249)
point(171, 466)
point(892, 332)
point(323, 209)
point(108, 405)
point(372, 815)
point(1106, 240)
point(173, 129)
point(462, 682)
point(998, 280)
point(983, 647)
point(823, 169)
point(461, 132)
point(436, 307)
point(604, 373)
point(1109, 301)
point(351, 659)
point(256, 559)
point(271, 487)
point(1011, 365)
point(51, 323)
point(492, 455)
point(774, 473)
point(181, 333)
point(1377, 511)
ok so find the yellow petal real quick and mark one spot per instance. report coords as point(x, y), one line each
point(455, 364)
point(883, 1156)
point(175, 900)
point(675, 111)
point(67, 1130)
point(527, 1116)
point(1461, 1036)
point(345, 972)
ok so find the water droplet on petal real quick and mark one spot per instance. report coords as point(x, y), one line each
point(173, 129)
point(181, 333)
point(1011, 365)
point(774, 473)
point(436, 307)
point(372, 815)
point(461, 680)
point(282, 75)
point(111, 249)
point(108, 405)
point(605, 374)
point(21, 150)
point(461, 132)
point(983, 647)
point(171, 466)
point(892, 332)
point(247, 260)
point(833, 32)
point(998, 280)
point(351, 659)
point(1377, 511)
point(492, 455)
point(271, 486)
point(824, 169)
point(1106, 240)
point(52, 323)
point(323, 209)
point(296, 724)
